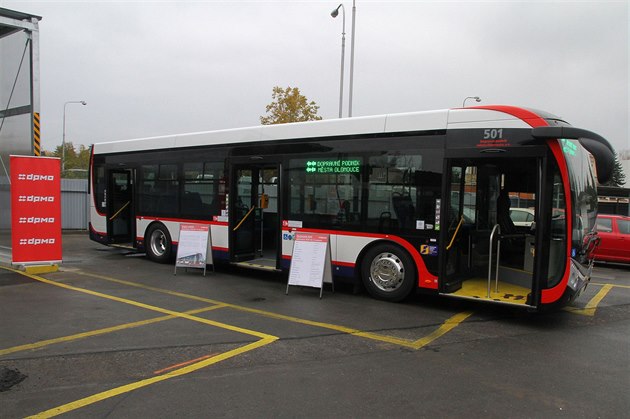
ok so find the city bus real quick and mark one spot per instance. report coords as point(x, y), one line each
point(410, 202)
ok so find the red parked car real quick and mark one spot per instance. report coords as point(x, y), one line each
point(614, 231)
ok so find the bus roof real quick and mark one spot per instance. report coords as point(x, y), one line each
point(460, 118)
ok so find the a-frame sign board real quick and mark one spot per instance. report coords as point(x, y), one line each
point(192, 249)
point(311, 262)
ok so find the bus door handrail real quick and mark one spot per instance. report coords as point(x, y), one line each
point(119, 211)
point(461, 220)
point(496, 228)
point(244, 218)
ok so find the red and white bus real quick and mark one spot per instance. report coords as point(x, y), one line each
point(414, 201)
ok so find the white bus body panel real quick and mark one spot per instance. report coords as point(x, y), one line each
point(98, 221)
point(416, 121)
point(343, 248)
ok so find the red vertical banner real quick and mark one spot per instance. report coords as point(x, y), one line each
point(35, 209)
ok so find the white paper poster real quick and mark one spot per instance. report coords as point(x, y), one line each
point(192, 249)
point(310, 263)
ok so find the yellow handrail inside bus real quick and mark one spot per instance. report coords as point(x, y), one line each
point(119, 211)
point(244, 218)
point(456, 231)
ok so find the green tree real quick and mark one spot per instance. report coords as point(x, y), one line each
point(288, 105)
point(77, 162)
point(618, 177)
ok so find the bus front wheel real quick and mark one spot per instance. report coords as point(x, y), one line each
point(388, 272)
point(158, 243)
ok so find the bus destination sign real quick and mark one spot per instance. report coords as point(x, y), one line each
point(333, 166)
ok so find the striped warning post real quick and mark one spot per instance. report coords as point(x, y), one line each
point(36, 139)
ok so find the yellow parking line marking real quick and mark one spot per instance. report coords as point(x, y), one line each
point(146, 306)
point(445, 327)
point(43, 343)
point(612, 285)
point(146, 382)
point(264, 339)
point(150, 288)
point(591, 306)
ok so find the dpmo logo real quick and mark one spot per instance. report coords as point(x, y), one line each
point(36, 198)
point(37, 220)
point(36, 241)
point(35, 177)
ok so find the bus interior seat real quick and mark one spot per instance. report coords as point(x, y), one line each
point(385, 221)
point(503, 214)
point(512, 252)
point(404, 209)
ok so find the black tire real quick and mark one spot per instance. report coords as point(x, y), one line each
point(158, 244)
point(388, 272)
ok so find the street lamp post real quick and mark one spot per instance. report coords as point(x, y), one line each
point(334, 14)
point(354, 12)
point(476, 98)
point(63, 139)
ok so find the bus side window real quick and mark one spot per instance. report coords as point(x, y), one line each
point(403, 190)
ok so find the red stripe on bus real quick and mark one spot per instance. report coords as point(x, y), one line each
point(553, 294)
point(346, 264)
point(181, 220)
point(525, 115)
point(217, 248)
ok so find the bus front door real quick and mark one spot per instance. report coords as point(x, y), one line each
point(120, 225)
point(254, 222)
point(486, 253)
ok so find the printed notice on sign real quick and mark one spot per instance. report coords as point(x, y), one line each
point(192, 249)
point(310, 262)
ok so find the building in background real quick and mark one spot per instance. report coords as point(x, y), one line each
point(19, 96)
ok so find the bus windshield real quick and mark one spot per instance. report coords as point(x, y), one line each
point(583, 195)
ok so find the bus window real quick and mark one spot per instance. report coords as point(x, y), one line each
point(159, 189)
point(201, 189)
point(100, 183)
point(557, 254)
point(401, 192)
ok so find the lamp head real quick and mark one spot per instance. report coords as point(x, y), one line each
point(83, 102)
point(335, 12)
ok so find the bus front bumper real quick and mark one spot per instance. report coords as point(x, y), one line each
point(579, 278)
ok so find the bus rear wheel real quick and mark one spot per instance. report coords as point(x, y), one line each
point(388, 272)
point(158, 243)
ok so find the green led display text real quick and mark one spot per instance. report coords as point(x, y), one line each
point(568, 147)
point(333, 166)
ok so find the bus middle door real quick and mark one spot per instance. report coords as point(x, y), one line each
point(254, 222)
point(242, 215)
point(120, 216)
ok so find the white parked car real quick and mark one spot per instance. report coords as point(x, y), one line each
point(522, 217)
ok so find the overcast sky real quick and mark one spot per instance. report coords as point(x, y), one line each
point(150, 68)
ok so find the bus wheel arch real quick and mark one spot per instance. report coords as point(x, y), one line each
point(158, 244)
point(387, 271)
